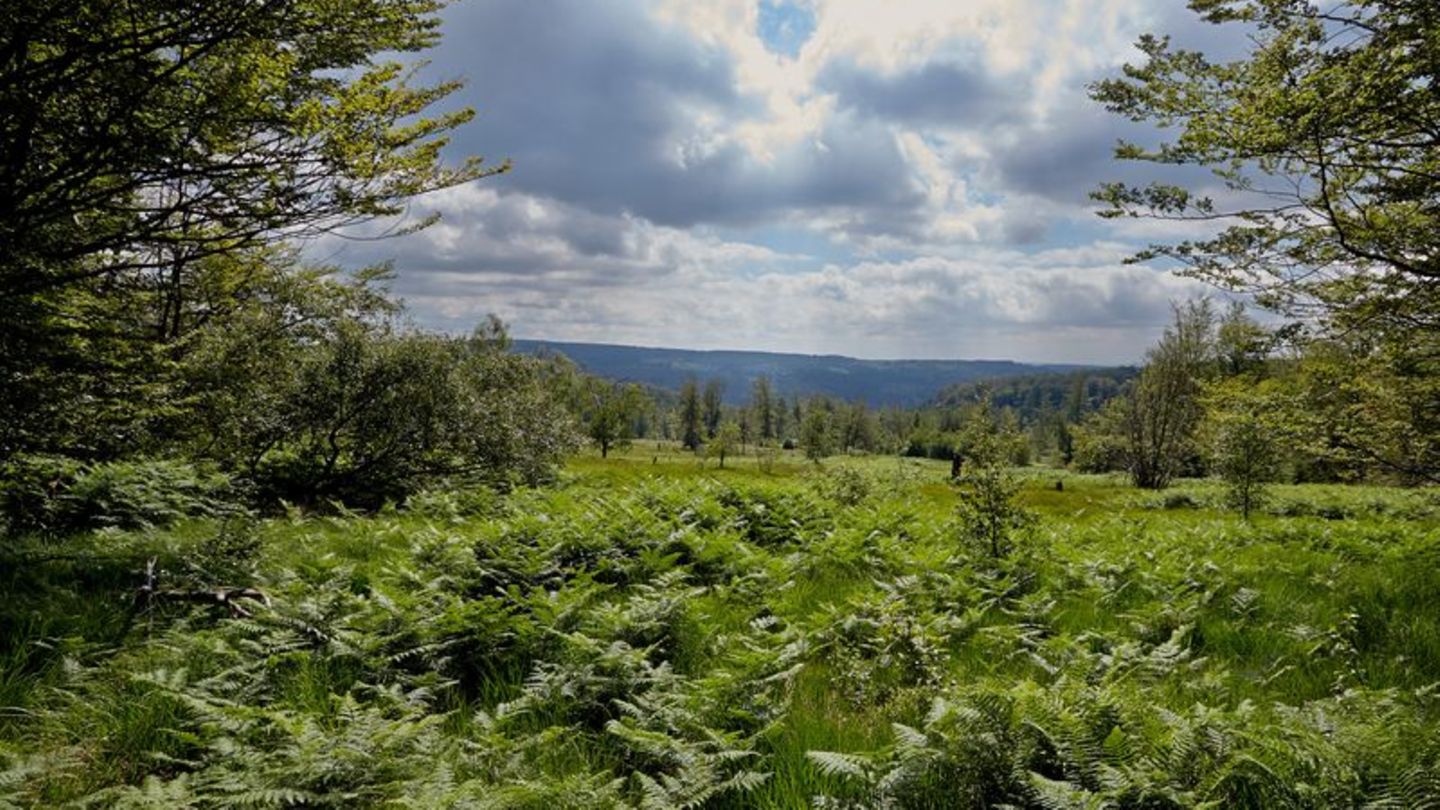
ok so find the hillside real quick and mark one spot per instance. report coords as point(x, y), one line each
point(878, 382)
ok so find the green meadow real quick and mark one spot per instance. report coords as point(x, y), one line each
point(654, 631)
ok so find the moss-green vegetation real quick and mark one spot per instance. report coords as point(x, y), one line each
point(656, 630)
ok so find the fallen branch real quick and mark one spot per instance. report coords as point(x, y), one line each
point(149, 594)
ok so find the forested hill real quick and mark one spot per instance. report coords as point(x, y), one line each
point(1073, 393)
point(877, 382)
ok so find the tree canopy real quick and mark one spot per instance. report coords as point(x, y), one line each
point(139, 135)
point(1326, 141)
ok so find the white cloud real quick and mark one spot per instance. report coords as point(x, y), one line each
point(934, 157)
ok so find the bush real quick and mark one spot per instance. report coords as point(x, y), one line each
point(58, 495)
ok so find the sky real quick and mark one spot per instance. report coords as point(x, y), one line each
point(873, 178)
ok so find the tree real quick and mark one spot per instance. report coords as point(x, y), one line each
point(857, 427)
point(372, 413)
point(155, 154)
point(713, 406)
point(815, 432)
point(725, 443)
point(1244, 423)
point(145, 135)
point(987, 512)
point(690, 428)
point(1372, 408)
point(1163, 409)
point(609, 411)
point(1325, 138)
point(762, 403)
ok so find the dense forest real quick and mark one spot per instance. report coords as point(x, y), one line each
point(267, 542)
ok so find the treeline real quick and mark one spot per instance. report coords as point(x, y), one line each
point(1041, 409)
point(1219, 395)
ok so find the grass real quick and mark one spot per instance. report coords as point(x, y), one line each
point(656, 628)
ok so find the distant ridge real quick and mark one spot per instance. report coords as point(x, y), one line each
point(877, 382)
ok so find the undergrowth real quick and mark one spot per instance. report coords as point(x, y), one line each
point(673, 638)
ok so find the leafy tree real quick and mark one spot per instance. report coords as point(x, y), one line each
point(815, 436)
point(1244, 425)
point(1241, 344)
point(144, 136)
point(1163, 409)
point(987, 512)
point(1064, 441)
point(1372, 407)
point(1324, 137)
point(609, 411)
point(691, 428)
point(726, 442)
point(155, 155)
point(857, 427)
point(373, 413)
point(1100, 441)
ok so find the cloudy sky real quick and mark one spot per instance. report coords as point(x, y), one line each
point(876, 178)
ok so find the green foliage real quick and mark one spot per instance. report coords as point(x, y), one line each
point(56, 495)
point(987, 512)
point(1163, 410)
point(608, 412)
point(1245, 426)
point(1317, 133)
point(815, 438)
point(1322, 137)
point(664, 635)
point(143, 151)
point(725, 442)
point(691, 428)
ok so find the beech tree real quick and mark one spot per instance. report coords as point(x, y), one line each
point(608, 411)
point(1326, 138)
point(139, 135)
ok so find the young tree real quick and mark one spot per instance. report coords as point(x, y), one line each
point(725, 443)
point(1247, 424)
point(691, 428)
point(987, 512)
point(782, 420)
point(713, 406)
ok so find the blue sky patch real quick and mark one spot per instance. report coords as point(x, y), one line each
point(784, 26)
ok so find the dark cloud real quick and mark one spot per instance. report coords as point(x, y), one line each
point(937, 94)
point(597, 104)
